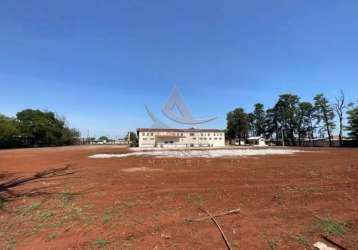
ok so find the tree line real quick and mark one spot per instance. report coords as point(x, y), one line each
point(35, 128)
point(291, 120)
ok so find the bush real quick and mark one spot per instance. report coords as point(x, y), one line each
point(35, 128)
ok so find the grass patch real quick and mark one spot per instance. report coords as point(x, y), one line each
point(52, 236)
point(304, 189)
point(273, 243)
point(31, 208)
point(12, 244)
point(67, 197)
point(75, 213)
point(332, 227)
point(101, 243)
point(106, 218)
point(301, 239)
point(88, 206)
point(44, 216)
point(194, 199)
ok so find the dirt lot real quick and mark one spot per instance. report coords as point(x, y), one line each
point(286, 201)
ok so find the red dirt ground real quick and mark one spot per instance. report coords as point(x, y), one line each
point(283, 200)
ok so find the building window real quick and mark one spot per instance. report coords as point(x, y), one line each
point(191, 134)
point(144, 139)
point(151, 134)
point(210, 138)
point(143, 134)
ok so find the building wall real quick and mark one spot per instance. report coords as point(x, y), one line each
point(181, 139)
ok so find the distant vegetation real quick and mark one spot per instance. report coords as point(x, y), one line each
point(35, 128)
point(295, 120)
point(132, 138)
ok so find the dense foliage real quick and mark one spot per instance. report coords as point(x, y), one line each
point(132, 138)
point(35, 128)
point(291, 120)
point(353, 123)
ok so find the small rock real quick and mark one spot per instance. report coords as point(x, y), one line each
point(322, 246)
point(165, 236)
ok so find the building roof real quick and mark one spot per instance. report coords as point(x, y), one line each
point(178, 130)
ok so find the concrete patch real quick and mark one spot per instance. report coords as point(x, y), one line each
point(209, 153)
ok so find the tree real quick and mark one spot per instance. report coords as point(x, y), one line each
point(230, 126)
point(325, 115)
point(103, 138)
point(259, 116)
point(45, 128)
point(251, 123)
point(352, 120)
point(272, 125)
point(305, 115)
point(132, 139)
point(286, 110)
point(9, 132)
point(237, 124)
point(339, 107)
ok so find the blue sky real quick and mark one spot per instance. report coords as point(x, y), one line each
point(98, 62)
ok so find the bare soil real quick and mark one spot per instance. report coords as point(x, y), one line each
point(123, 203)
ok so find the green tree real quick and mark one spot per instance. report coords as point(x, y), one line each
point(272, 124)
point(251, 124)
point(305, 115)
point(9, 132)
point(45, 128)
point(132, 139)
point(259, 116)
point(352, 120)
point(325, 115)
point(237, 124)
point(286, 110)
point(103, 138)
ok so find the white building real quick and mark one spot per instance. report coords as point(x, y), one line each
point(256, 141)
point(161, 137)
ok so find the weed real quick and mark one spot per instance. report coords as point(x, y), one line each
point(12, 244)
point(304, 189)
point(195, 199)
point(129, 204)
point(88, 206)
point(300, 238)
point(106, 218)
point(31, 208)
point(44, 216)
point(52, 236)
point(75, 213)
point(101, 243)
point(332, 227)
point(273, 243)
point(67, 197)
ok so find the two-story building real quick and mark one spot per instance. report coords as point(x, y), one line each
point(184, 138)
